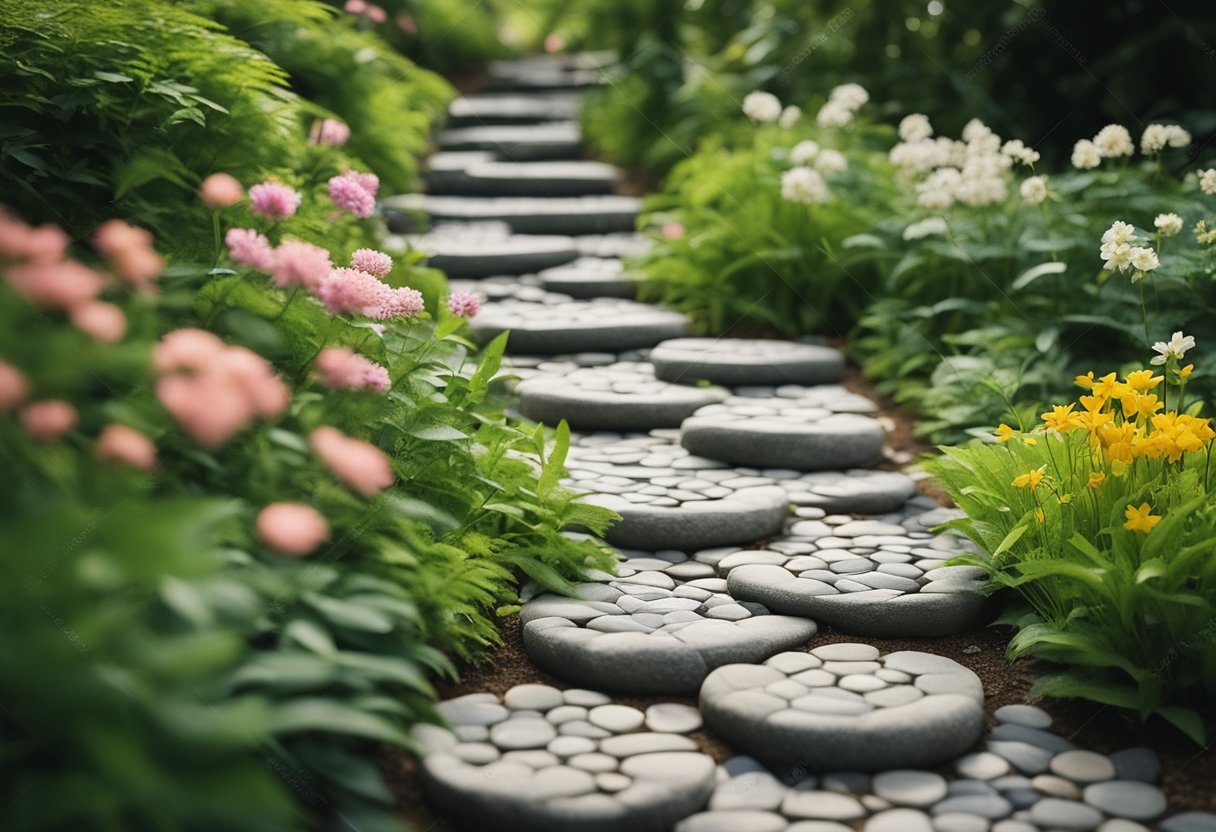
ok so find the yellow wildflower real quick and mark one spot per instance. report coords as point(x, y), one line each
point(1140, 519)
point(1030, 440)
point(1142, 380)
point(1086, 381)
point(1092, 403)
point(1004, 433)
point(1061, 418)
point(1186, 371)
point(1039, 515)
point(1031, 478)
point(1141, 405)
point(1065, 499)
point(1096, 479)
point(1106, 386)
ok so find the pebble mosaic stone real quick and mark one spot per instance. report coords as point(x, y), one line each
point(478, 173)
point(846, 707)
point(545, 759)
point(884, 576)
point(481, 250)
point(658, 627)
point(527, 143)
point(621, 396)
point(598, 325)
point(590, 277)
point(498, 108)
point(745, 361)
point(782, 432)
point(612, 245)
point(526, 215)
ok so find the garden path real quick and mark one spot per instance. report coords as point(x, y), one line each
point(750, 515)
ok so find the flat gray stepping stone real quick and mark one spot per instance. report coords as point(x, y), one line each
point(447, 171)
point(782, 433)
point(475, 255)
point(599, 325)
point(623, 396)
point(526, 215)
point(518, 143)
point(478, 173)
point(1126, 799)
point(590, 277)
point(745, 361)
point(752, 707)
point(745, 514)
point(499, 108)
point(532, 775)
point(865, 577)
point(621, 244)
point(546, 72)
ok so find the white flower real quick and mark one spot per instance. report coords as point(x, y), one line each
point(975, 130)
point(915, 128)
point(852, 96)
point(762, 107)
point(937, 192)
point(1017, 150)
point(831, 161)
point(789, 116)
point(1119, 233)
point(1113, 140)
point(1085, 155)
point(1143, 259)
point(1176, 347)
point(834, 114)
point(1157, 137)
point(804, 186)
point(1116, 256)
point(1168, 224)
point(1207, 181)
point(804, 153)
point(925, 228)
point(1034, 190)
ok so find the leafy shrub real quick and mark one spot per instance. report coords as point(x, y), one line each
point(1103, 521)
point(445, 35)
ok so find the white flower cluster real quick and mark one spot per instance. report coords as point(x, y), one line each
point(789, 116)
point(1167, 224)
point(1085, 155)
point(1157, 137)
point(1176, 347)
point(842, 105)
point(831, 161)
point(927, 227)
point(1112, 141)
point(1118, 253)
point(762, 107)
point(1034, 190)
point(915, 128)
point(804, 186)
point(1017, 150)
point(804, 153)
point(1207, 181)
point(973, 171)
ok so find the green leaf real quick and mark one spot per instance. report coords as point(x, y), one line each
point(1031, 275)
point(1185, 720)
point(437, 433)
point(333, 717)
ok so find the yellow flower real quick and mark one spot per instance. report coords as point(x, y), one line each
point(1092, 403)
point(1140, 519)
point(1065, 499)
point(1106, 386)
point(1142, 405)
point(1031, 478)
point(1186, 371)
point(1086, 381)
point(1004, 433)
point(1061, 418)
point(1096, 479)
point(1142, 380)
point(1039, 515)
point(1030, 440)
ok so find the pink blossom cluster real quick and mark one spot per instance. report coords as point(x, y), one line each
point(464, 304)
point(407, 24)
point(371, 261)
point(292, 528)
point(273, 200)
point(355, 192)
point(220, 190)
point(353, 291)
point(329, 133)
point(293, 263)
point(125, 446)
point(213, 389)
point(339, 368)
point(362, 467)
point(369, 10)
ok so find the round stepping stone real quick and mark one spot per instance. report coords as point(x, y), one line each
point(909, 787)
point(672, 718)
point(1126, 799)
point(527, 215)
point(936, 727)
point(874, 579)
point(779, 432)
point(518, 143)
point(520, 782)
point(1083, 766)
point(598, 325)
point(474, 110)
point(461, 257)
point(1053, 813)
point(745, 361)
point(487, 177)
point(1027, 715)
point(622, 396)
point(590, 277)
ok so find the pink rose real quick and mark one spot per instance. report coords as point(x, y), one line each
point(220, 190)
point(292, 528)
point(126, 446)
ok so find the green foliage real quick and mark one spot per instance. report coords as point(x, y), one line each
point(448, 36)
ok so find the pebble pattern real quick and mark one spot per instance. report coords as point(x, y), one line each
point(599, 325)
point(542, 758)
point(658, 627)
point(746, 361)
point(846, 707)
point(590, 277)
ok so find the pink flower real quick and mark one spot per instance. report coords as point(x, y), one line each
point(208, 410)
point(342, 369)
point(115, 236)
point(297, 263)
point(398, 303)
point(47, 420)
point(329, 132)
point(186, 349)
point(13, 387)
point(362, 467)
point(554, 42)
point(371, 261)
point(249, 248)
point(354, 192)
point(352, 291)
point(407, 24)
point(126, 446)
point(464, 304)
point(219, 190)
point(356, 6)
point(292, 528)
point(129, 250)
point(673, 231)
point(273, 200)
point(375, 14)
point(101, 321)
point(61, 285)
point(45, 244)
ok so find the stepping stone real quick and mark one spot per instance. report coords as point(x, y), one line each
point(498, 108)
point(599, 325)
point(447, 172)
point(525, 215)
point(474, 251)
point(828, 728)
point(622, 396)
point(613, 245)
point(882, 585)
point(547, 72)
point(590, 277)
point(518, 143)
point(732, 362)
point(478, 173)
point(532, 775)
point(778, 432)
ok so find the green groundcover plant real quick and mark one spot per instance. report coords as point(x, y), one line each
point(1103, 521)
